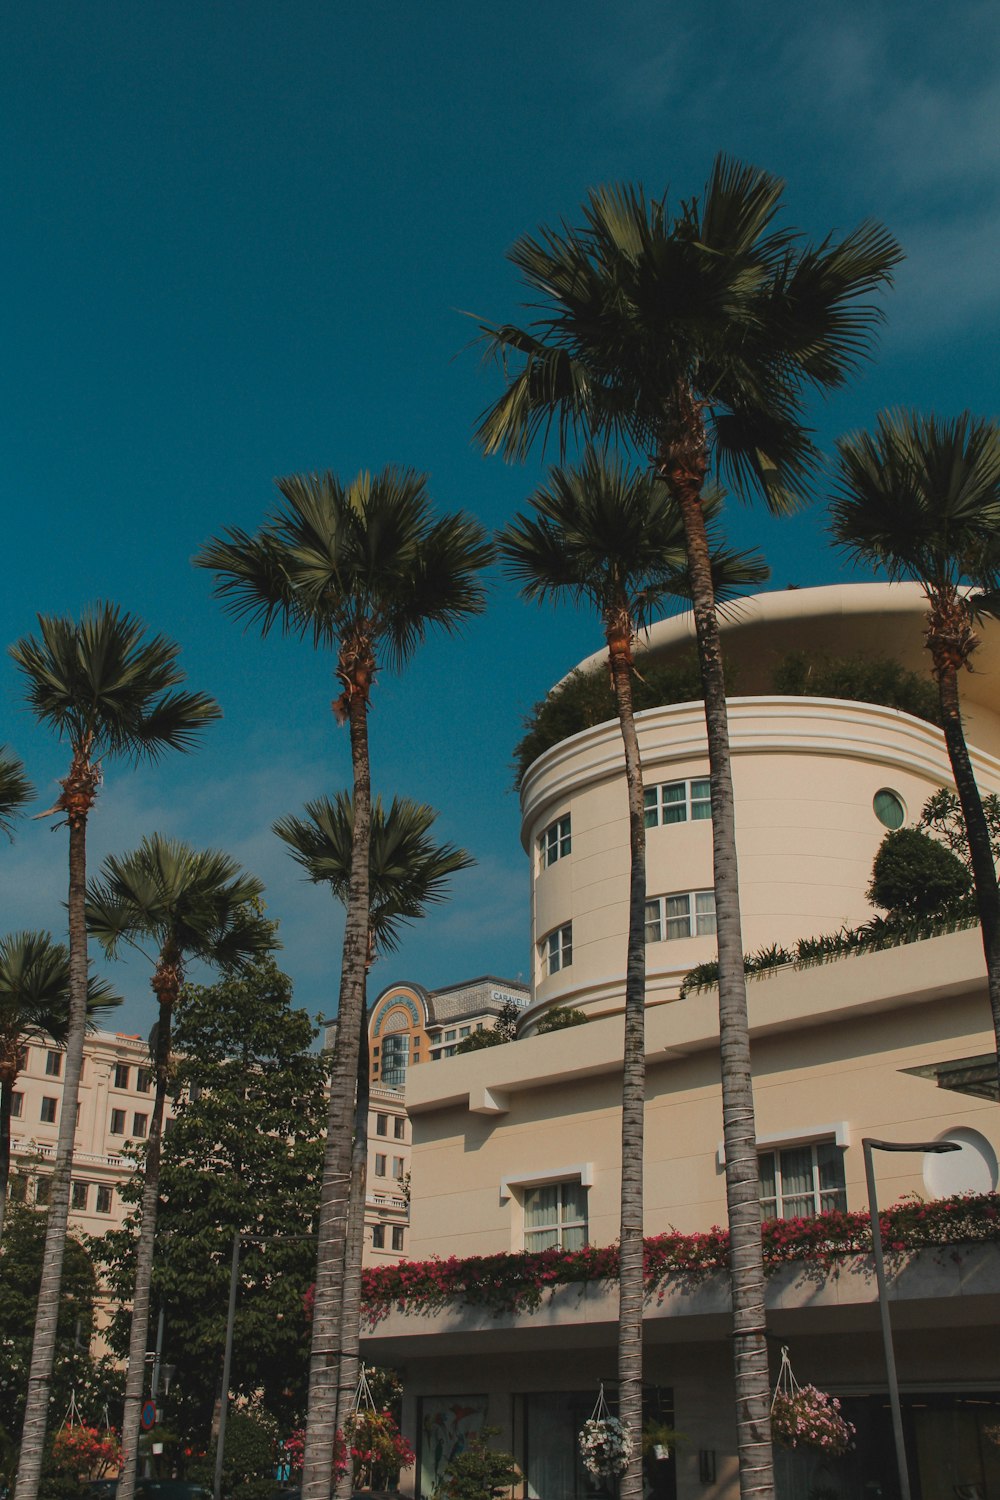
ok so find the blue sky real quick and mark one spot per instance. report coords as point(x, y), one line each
point(238, 242)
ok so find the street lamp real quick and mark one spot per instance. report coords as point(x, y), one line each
point(869, 1147)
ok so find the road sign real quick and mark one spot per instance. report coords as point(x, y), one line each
point(147, 1418)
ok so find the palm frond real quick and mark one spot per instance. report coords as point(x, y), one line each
point(15, 790)
point(34, 988)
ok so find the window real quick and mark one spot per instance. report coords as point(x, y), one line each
point(889, 808)
point(53, 1064)
point(557, 950)
point(397, 1236)
point(80, 1194)
point(464, 1031)
point(22, 1059)
point(139, 1126)
point(450, 1036)
point(555, 1216)
point(43, 1191)
point(17, 1188)
point(802, 1180)
point(378, 1236)
point(556, 842)
point(47, 1114)
point(104, 1195)
point(143, 1080)
point(399, 1128)
point(397, 1168)
point(16, 1105)
point(380, 1164)
point(117, 1122)
point(121, 1075)
point(381, 1124)
point(678, 802)
point(394, 1060)
point(689, 915)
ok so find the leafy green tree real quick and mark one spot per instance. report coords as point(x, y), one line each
point(243, 1155)
point(615, 540)
point(920, 498)
point(696, 336)
point(941, 815)
point(20, 1268)
point(15, 790)
point(563, 1018)
point(191, 905)
point(34, 1003)
point(109, 692)
point(408, 872)
point(366, 570)
point(504, 1031)
point(916, 876)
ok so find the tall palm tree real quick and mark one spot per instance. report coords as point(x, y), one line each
point(108, 691)
point(364, 569)
point(34, 1004)
point(15, 790)
point(695, 336)
point(191, 905)
point(616, 541)
point(920, 499)
point(408, 872)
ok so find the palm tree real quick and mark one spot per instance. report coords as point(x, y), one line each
point(15, 790)
point(192, 905)
point(34, 986)
point(920, 499)
point(695, 337)
point(408, 872)
point(366, 570)
point(615, 540)
point(107, 691)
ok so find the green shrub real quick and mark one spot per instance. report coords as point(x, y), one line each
point(859, 679)
point(560, 1019)
point(914, 875)
point(479, 1472)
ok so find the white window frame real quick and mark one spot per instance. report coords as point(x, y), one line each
point(555, 950)
point(563, 1223)
point(555, 842)
point(683, 809)
point(774, 1207)
point(699, 920)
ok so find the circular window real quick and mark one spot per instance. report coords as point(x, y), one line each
point(889, 808)
point(972, 1169)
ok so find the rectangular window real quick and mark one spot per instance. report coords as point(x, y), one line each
point(381, 1124)
point(399, 1128)
point(450, 1036)
point(80, 1194)
point(557, 950)
point(397, 1168)
point(22, 1059)
point(464, 1031)
point(555, 1216)
point(104, 1195)
point(143, 1080)
point(53, 1064)
point(677, 802)
point(121, 1075)
point(117, 1122)
point(556, 842)
point(139, 1123)
point(47, 1114)
point(380, 1164)
point(691, 914)
point(17, 1188)
point(43, 1191)
point(16, 1105)
point(397, 1236)
point(378, 1236)
point(802, 1180)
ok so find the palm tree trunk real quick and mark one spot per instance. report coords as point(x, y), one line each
point(980, 852)
point(746, 1262)
point(135, 1379)
point(631, 1287)
point(326, 1387)
point(7, 1076)
point(43, 1346)
point(354, 1253)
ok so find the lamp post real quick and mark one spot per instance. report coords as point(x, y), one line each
point(869, 1146)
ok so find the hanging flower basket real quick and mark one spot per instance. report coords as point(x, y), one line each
point(605, 1443)
point(802, 1416)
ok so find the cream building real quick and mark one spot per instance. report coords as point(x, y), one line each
point(115, 1107)
point(519, 1146)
